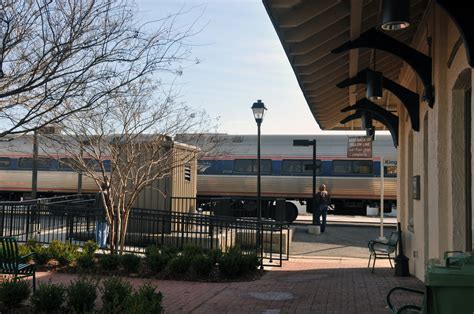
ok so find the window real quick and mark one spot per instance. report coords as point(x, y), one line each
point(65, 163)
point(250, 166)
point(299, 166)
point(390, 171)
point(351, 167)
point(187, 172)
point(93, 164)
point(4, 162)
point(27, 163)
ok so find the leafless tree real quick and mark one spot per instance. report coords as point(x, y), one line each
point(134, 132)
point(61, 57)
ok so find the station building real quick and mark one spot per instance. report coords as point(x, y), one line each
point(336, 49)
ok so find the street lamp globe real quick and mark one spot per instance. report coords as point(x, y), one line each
point(258, 109)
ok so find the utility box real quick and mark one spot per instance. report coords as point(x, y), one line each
point(450, 284)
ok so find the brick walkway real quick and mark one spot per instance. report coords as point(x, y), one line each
point(310, 285)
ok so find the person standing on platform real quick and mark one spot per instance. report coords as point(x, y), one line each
point(323, 201)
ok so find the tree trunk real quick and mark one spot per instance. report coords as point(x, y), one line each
point(124, 230)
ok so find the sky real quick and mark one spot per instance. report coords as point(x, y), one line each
point(241, 60)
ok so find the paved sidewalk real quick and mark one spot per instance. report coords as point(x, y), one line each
point(338, 241)
point(302, 285)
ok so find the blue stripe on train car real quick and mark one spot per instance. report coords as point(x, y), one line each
point(226, 167)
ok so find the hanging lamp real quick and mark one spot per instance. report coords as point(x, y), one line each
point(374, 82)
point(396, 14)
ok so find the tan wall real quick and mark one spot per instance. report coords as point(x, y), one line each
point(436, 152)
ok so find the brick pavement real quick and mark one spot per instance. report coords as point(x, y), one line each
point(302, 285)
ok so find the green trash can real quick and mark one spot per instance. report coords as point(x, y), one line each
point(450, 284)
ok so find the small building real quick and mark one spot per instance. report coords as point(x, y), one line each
point(176, 192)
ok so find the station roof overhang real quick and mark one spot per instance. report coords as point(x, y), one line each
point(309, 32)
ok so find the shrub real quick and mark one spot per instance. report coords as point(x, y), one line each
point(109, 262)
point(63, 253)
point(234, 264)
point(201, 265)
point(178, 266)
point(215, 255)
point(130, 262)
point(85, 261)
point(81, 295)
point(145, 300)
point(192, 250)
point(48, 297)
point(156, 259)
point(115, 294)
point(32, 244)
point(13, 293)
point(42, 255)
point(90, 247)
point(230, 264)
point(249, 264)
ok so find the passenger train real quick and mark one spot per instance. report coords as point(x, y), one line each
point(54, 177)
point(230, 170)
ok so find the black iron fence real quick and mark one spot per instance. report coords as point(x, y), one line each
point(76, 221)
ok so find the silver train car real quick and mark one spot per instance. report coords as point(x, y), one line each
point(229, 170)
point(54, 177)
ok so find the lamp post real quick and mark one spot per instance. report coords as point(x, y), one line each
point(34, 173)
point(258, 109)
point(310, 143)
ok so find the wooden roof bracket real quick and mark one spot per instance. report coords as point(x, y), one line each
point(420, 62)
point(462, 14)
point(378, 113)
point(409, 99)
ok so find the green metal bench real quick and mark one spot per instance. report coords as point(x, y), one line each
point(407, 308)
point(383, 249)
point(11, 263)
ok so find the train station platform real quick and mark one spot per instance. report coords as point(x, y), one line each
point(348, 220)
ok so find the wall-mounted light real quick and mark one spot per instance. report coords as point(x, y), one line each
point(396, 14)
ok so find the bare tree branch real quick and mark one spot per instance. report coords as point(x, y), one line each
point(61, 57)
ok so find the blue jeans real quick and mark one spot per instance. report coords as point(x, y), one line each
point(101, 233)
point(321, 211)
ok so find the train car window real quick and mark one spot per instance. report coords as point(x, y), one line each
point(342, 167)
point(5, 162)
point(308, 166)
point(291, 166)
point(362, 167)
point(390, 171)
point(243, 165)
point(266, 165)
point(27, 163)
point(65, 163)
point(295, 166)
point(250, 166)
point(93, 164)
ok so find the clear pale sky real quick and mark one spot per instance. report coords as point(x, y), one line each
point(242, 60)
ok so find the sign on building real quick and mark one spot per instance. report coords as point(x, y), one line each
point(359, 147)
